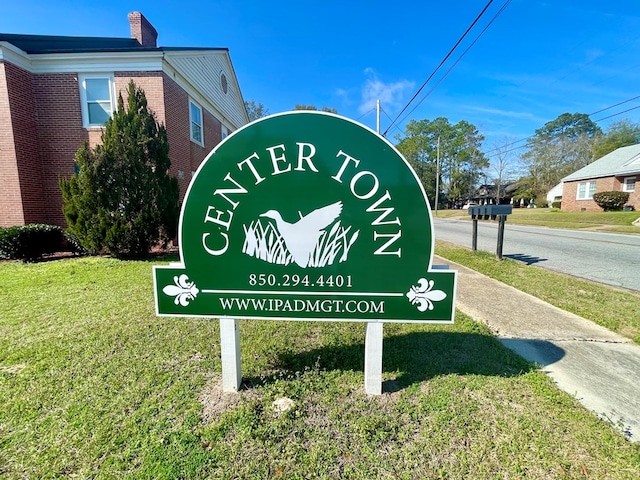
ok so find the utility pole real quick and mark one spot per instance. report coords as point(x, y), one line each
point(437, 175)
point(378, 116)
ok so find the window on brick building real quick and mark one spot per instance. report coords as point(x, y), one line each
point(97, 96)
point(195, 116)
point(586, 190)
point(629, 184)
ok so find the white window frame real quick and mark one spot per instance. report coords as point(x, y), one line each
point(84, 103)
point(224, 132)
point(587, 193)
point(193, 122)
point(629, 184)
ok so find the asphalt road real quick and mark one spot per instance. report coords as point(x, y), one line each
point(609, 258)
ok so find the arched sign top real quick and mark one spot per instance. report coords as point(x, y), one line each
point(306, 215)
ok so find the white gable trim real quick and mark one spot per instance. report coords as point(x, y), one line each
point(11, 54)
point(82, 62)
point(187, 83)
point(194, 94)
point(97, 62)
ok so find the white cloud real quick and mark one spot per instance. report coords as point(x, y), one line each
point(391, 95)
point(502, 113)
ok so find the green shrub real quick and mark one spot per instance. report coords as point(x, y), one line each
point(122, 200)
point(541, 202)
point(556, 204)
point(73, 244)
point(610, 201)
point(30, 242)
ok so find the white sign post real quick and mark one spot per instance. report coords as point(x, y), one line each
point(230, 354)
point(373, 358)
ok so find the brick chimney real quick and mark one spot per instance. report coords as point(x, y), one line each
point(142, 30)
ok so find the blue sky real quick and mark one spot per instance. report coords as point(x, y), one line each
point(535, 61)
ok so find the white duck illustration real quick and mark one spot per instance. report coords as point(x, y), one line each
point(301, 237)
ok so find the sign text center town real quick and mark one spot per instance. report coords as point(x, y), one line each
point(364, 185)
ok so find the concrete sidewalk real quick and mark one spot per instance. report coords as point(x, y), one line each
point(599, 367)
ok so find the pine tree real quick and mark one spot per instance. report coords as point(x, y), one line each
point(122, 200)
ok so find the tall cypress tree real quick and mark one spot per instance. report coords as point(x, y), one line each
point(122, 200)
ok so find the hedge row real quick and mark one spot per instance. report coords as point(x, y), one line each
point(31, 242)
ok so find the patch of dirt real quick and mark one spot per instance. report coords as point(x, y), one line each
point(215, 402)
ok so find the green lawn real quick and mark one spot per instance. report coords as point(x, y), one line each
point(620, 222)
point(613, 308)
point(94, 385)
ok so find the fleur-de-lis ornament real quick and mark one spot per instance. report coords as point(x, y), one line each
point(423, 295)
point(183, 290)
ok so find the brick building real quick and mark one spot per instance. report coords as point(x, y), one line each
point(616, 171)
point(58, 91)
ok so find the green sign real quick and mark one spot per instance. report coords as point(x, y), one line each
point(306, 215)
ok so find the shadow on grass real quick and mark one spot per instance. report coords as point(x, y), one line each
point(414, 357)
point(162, 257)
point(526, 259)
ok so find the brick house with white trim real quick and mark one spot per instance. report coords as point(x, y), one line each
point(56, 92)
point(616, 171)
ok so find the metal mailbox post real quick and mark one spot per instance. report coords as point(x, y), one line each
point(487, 212)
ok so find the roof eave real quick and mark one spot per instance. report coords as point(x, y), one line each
point(617, 173)
point(147, 60)
point(142, 59)
point(12, 54)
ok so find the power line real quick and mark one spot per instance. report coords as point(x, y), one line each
point(616, 105)
point(440, 65)
point(504, 6)
point(616, 114)
point(509, 144)
point(365, 114)
point(489, 154)
point(385, 113)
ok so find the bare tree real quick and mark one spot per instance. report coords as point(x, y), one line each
point(502, 164)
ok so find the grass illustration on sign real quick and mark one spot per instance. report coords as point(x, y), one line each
point(305, 242)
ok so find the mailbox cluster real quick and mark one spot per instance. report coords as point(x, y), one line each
point(486, 212)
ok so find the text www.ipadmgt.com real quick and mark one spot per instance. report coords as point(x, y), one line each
point(303, 306)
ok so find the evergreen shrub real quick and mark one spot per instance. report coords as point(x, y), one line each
point(122, 200)
point(611, 201)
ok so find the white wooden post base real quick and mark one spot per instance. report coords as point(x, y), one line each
point(373, 359)
point(230, 354)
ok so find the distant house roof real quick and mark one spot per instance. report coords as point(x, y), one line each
point(620, 162)
point(39, 44)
